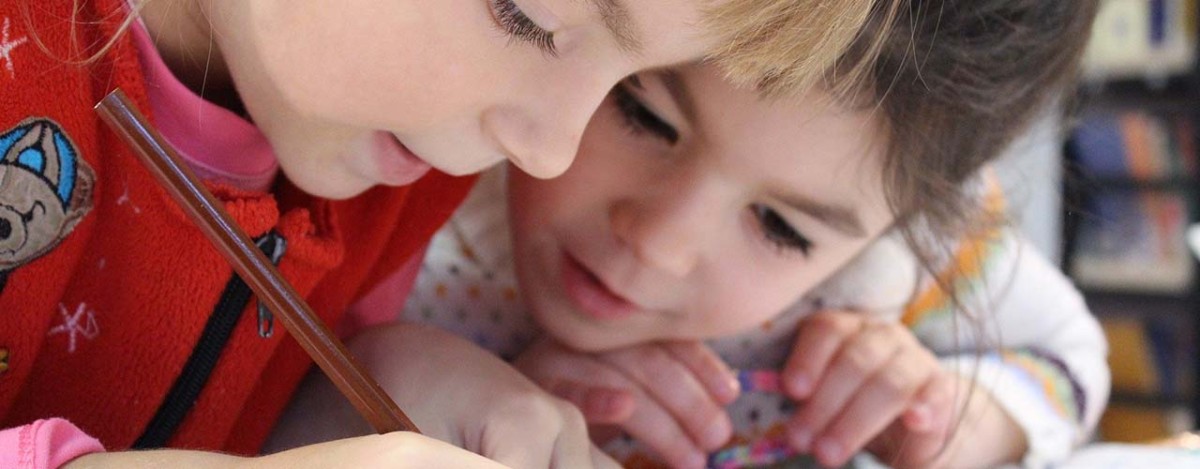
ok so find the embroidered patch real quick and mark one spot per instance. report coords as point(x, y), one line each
point(80, 323)
point(45, 190)
point(7, 46)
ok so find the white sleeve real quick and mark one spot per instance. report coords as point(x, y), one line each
point(1034, 345)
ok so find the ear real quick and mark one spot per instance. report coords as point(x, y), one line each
point(81, 197)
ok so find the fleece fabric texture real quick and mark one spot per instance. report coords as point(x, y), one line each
point(108, 285)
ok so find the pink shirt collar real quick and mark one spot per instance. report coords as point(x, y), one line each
point(218, 144)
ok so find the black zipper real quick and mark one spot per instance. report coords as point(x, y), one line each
point(199, 366)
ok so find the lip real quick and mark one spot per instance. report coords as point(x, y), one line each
point(591, 296)
point(397, 165)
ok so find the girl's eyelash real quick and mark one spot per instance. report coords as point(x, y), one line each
point(514, 23)
point(777, 230)
point(639, 118)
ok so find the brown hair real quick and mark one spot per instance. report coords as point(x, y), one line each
point(783, 46)
point(955, 81)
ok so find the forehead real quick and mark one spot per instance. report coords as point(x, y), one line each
point(666, 21)
point(810, 144)
point(651, 30)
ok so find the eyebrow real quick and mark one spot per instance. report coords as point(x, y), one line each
point(841, 219)
point(619, 23)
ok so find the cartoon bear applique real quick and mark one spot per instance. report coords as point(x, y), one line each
point(45, 190)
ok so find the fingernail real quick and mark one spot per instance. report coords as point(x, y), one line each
point(801, 385)
point(801, 438)
point(728, 388)
point(919, 416)
point(828, 451)
point(717, 433)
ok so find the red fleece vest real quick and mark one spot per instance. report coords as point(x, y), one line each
point(106, 286)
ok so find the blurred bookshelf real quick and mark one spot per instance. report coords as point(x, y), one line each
point(1131, 192)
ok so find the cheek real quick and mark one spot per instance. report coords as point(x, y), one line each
point(531, 201)
point(540, 212)
point(745, 294)
point(748, 294)
point(604, 166)
point(376, 68)
point(400, 93)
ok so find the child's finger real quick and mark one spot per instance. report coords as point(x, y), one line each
point(885, 444)
point(860, 358)
point(574, 449)
point(599, 404)
point(923, 446)
point(530, 454)
point(554, 435)
point(706, 365)
point(600, 391)
point(875, 405)
point(933, 407)
point(550, 437)
point(819, 338)
point(658, 430)
point(676, 389)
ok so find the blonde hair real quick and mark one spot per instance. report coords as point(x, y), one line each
point(778, 46)
point(786, 47)
point(80, 53)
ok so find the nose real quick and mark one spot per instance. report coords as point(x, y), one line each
point(539, 130)
point(667, 230)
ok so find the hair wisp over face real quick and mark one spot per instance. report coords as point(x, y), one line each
point(81, 53)
point(955, 82)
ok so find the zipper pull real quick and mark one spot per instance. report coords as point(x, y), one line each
point(273, 245)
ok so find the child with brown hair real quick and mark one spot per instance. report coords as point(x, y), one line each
point(697, 210)
point(319, 125)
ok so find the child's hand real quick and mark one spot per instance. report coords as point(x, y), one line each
point(454, 391)
point(982, 435)
point(668, 396)
point(394, 450)
point(861, 381)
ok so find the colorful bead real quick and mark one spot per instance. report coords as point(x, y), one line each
point(759, 453)
point(765, 381)
point(766, 451)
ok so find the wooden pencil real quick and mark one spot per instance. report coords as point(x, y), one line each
point(258, 272)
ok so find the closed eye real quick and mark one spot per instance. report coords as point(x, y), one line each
point(640, 118)
point(779, 232)
point(518, 26)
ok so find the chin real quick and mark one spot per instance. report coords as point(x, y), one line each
point(328, 188)
point(588, 340)
point(334, 193)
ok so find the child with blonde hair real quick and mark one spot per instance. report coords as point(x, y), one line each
point(333, 132)
point(804, 235)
